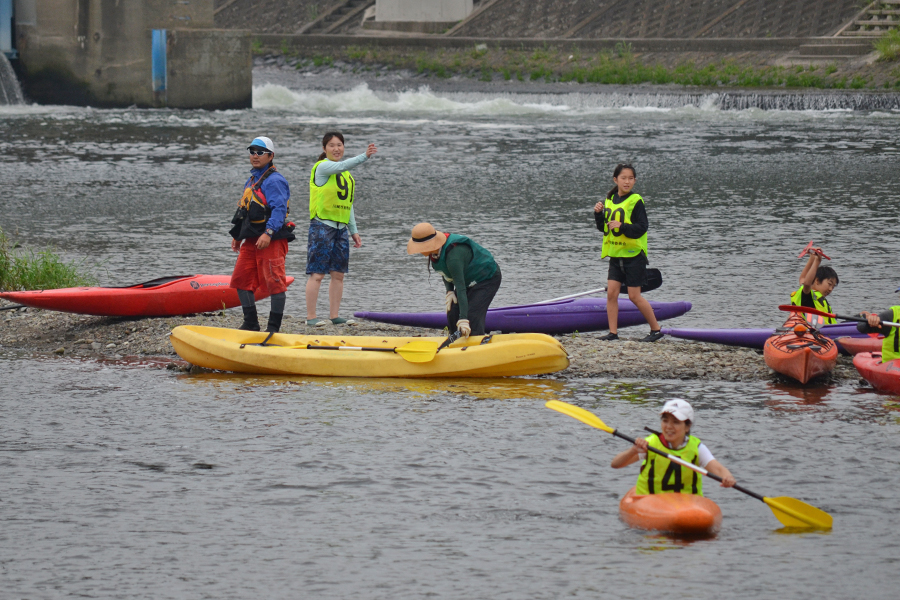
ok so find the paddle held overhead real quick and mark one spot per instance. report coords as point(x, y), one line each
point(790, 511)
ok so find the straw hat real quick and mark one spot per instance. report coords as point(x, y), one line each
point(425, 238)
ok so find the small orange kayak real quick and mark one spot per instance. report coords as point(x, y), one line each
point(801, 353)
point(884, 377)
point(686, 514)
point(855, 345)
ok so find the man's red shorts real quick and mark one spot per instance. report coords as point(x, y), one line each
point(261, 268)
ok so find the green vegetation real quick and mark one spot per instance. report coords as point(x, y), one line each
point(42, 271)
point(618, 64)
point(256, 46)
point(888, 45)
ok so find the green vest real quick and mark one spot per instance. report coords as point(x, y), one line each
point(481, 268)
point(333, 200)
point(890, 347)
point(820, 304)
point(659, 475)
point(614, 243)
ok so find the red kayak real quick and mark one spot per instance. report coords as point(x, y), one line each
point(163, 297)
point(855, 345)
point(800, 352)
point(884, 377)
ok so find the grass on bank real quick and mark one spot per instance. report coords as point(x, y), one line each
point(43, 270)
point(888, 45)
point(619, 65)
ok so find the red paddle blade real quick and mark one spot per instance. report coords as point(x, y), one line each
point(805, 250)
point(823, 255)
point(803, 309)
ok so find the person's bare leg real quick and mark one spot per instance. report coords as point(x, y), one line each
point(612, 304)
point(634, 294)
point(312, 294)
point(335, 293)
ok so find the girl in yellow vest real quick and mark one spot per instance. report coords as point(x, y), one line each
point(622, 218)
point(658, 474)
point(816, 283)
point(890, 347)
point(332, 223)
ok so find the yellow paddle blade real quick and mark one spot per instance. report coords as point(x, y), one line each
point(418, 352)
point(579, 413)
point(794, 513)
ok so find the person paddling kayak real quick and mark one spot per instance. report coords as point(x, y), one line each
point(332, 222)
point(470, 273)
point(890, 346)
point(816, 283)
point(658, 474)
point(260, 236)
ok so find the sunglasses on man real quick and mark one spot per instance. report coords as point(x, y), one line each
point(258, 152)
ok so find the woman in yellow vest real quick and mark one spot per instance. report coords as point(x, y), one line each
point(622, 218)
point(332, 223)
point(816, 283)
point(890, 347)
point(658, 474)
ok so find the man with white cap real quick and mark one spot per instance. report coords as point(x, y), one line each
point(658, 474)
point(260, 235)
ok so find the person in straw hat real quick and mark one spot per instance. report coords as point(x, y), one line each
point(470, 274)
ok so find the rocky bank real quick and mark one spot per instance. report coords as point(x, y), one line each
point(61, 334)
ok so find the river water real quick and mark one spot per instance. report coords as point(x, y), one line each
point(121, 480)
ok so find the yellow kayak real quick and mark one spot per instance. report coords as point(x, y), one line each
point(287, 354)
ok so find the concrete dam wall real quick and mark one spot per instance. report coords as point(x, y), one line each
point(146, 53)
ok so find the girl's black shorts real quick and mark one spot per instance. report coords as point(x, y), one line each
point(629, 271)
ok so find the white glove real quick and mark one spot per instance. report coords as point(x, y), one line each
point(464, 328)
point(450, 300)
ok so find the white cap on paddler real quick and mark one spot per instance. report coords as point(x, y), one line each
point(262, 142)
point(678, 408)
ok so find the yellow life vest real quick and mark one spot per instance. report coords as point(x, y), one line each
point(890, 347)
point(333, 200)
point(820, 304)
point(614, 242)
point(659, 475)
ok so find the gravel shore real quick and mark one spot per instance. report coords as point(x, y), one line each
point(63, 334)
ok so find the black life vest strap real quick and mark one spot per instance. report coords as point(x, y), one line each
point(255, 186)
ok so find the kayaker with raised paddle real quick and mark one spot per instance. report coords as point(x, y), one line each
point(470, 273)
point(260, 235)
point(332, 223)
point(622, 218)
point(658, 474)
point(816, 283)
point(890, 346)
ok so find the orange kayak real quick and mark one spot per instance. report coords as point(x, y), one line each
point(884, 377)
point(800, 353)
point(676, 513)
point(855, 345)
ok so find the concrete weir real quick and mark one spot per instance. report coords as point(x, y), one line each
point(119, 53)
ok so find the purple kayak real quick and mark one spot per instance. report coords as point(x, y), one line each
point(564, 316)
point(752, 338)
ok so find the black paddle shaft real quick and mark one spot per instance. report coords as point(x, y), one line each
point(311, 347)
point(708, 474)
point(12, 307)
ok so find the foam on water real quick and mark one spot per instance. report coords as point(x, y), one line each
point(362, 99)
